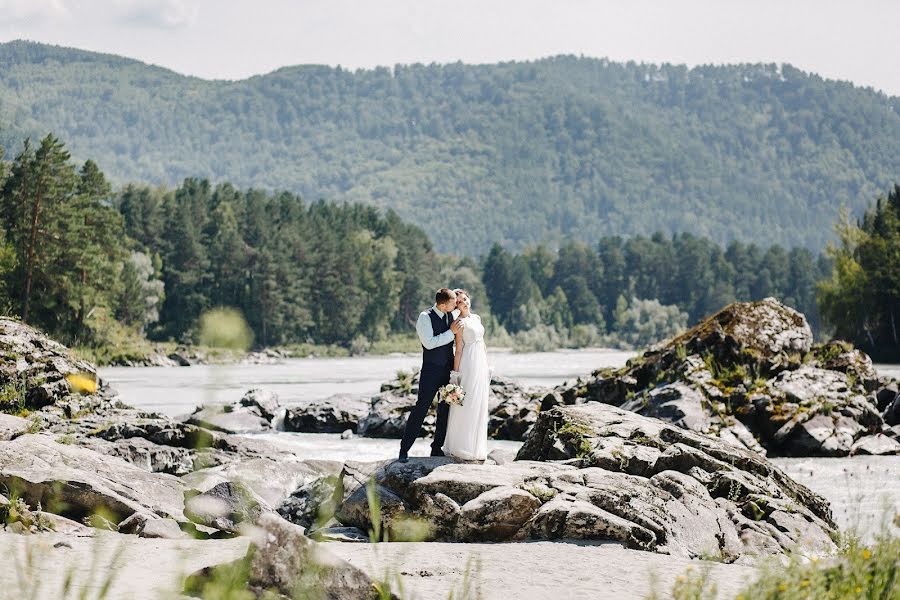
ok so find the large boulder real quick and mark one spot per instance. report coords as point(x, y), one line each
point(597, 472)
point(77, 483)
point(284, 560)
point(231, 418)
point(749, 375)
point(224, 506)
point(37, 367)
point(335, 414)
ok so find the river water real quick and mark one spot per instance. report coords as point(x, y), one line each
point(864, 491)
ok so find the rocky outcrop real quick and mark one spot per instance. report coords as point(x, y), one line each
point(594, 472)
point(512, 409)
point(282, 562)
point(254, 413)
point(78, 483)
point(751, 376)
point(224, 506)
point(335, 414)
point(35, 372)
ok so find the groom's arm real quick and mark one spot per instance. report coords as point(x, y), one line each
point(426, 333)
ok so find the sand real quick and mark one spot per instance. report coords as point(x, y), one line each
point(533, 570)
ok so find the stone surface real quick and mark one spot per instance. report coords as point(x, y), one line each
point(878, 444)
point(230, 419)
point(264, 401)
point(749, 375)
point(143, 453)
point(162, 528)
point(663, 510)
point(11, 426)
point(77, 482)
point(288, 562)
point(224, 506)
point(331, 415)
point(40, 365)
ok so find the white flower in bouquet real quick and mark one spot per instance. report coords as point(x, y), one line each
point(451, 394)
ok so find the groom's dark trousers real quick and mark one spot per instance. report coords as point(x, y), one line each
point(436, 366)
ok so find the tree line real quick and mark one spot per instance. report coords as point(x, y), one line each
point(86, 264)
point(595, 285)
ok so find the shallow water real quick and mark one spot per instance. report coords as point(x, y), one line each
point(863, 490)
point(177, 390)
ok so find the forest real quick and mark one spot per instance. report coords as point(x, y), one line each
point(94, 266)
point(518, 153)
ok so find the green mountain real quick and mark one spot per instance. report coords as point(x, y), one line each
point(515, 153)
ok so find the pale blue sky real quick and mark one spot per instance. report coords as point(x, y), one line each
point(850, 39)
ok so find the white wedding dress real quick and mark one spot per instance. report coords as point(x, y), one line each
point(467, 425)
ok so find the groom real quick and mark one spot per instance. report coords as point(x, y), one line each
point(437, 330)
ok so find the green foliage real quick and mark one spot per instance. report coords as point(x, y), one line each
point(576, 435)
point(645, 322)
point(862, 298)
point(224, 328)
point(519, 152)
point(13, 396)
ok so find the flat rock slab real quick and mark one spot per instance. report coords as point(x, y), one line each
point(76, 482)
point(11, 426)
point(533, 570)
point(139, 568)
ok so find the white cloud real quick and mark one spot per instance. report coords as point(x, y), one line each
point(32, 11)
point(164, 14)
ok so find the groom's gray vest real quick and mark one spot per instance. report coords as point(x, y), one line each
point(442, 356)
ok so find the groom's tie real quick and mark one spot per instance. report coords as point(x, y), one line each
point(447, 320)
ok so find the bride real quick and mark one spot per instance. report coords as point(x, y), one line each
point(467, 425)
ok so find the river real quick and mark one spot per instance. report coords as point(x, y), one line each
point(864, 491)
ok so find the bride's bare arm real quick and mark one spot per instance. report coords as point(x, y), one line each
point(457, 357)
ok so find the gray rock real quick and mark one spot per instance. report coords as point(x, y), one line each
point(892, 412)
point(230, 419)
point(273, 479)
point(224, 506)
point(77, 482)
point(340, 534)
point(878, 444)
point(145, 454)
point(690, 491)
point(166, 529)
point(387, 416)
point(331, 415)
point(289, 563)
point(885, 396)
point(750, 375)
point(11, 426)
point(31, 357)
point(265, 401)
point(674, 403)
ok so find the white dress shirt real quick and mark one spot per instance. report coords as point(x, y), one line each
point(426, 332)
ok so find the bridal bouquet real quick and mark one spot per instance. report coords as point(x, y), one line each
point(451, 394)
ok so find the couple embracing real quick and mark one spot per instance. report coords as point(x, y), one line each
point(460, 431)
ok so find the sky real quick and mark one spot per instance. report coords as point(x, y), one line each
point(853, 40)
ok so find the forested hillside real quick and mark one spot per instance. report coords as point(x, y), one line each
point(514, 153)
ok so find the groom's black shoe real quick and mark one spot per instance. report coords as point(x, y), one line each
point(403, 457)
point(437, 453)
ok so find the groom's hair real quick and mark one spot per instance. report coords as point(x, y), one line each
point(443, 295)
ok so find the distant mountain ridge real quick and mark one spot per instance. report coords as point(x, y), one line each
point(516, 153)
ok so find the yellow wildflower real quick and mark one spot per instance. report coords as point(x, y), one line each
point(82, 383)
point(866, 554)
